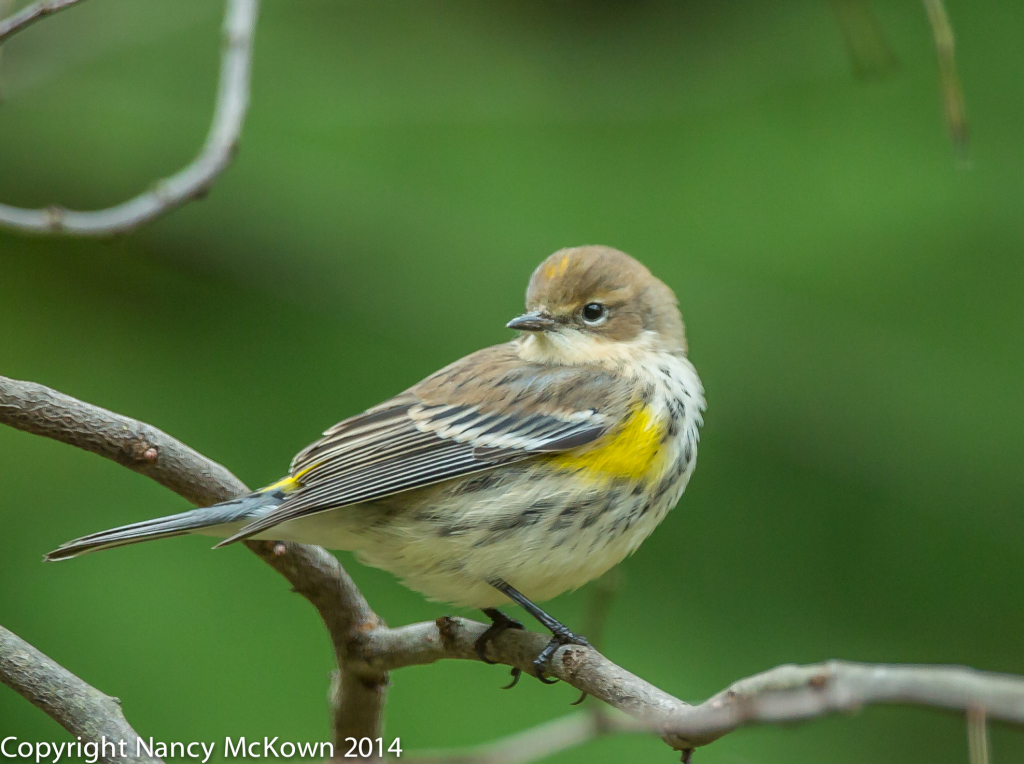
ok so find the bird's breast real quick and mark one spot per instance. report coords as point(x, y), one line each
point(659, 434)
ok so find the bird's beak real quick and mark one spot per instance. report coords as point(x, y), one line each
point(535, 321)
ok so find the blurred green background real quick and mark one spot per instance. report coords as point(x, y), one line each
point(853, 297)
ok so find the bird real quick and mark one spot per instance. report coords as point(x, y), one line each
point(519, 472)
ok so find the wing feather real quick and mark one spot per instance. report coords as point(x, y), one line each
point(445, 427)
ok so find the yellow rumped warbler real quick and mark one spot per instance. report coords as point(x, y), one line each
point(518, 472)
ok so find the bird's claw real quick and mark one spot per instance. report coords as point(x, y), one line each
point(499, 623)
point(515, 673)
point(558, 639)
point(540, 674)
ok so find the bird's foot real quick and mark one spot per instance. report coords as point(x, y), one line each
point(499, 623)
point(559, 636)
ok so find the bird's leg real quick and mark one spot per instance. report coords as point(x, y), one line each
point(499, 622)
point(560, 633)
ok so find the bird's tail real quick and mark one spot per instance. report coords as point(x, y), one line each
point(230, 513)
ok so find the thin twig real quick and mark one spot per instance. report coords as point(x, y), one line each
point(79, 708)
point(189, 183)
point(949, 81)
point(5, 8)
point(977, 736)
point(30, 15)
point(367, 649)
point(796, 693)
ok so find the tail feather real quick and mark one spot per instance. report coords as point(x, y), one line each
point(246, 508)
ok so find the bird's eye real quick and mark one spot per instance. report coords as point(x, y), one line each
point(593, 312)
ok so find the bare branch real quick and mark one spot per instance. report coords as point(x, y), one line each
point(357, 703)
point(977, 736)
point(782, 695)
point(5, 8)
point(189, 183)
point(79, 708)
point(367, 649)
point(30, 15)
point(357, 693)
point(42, 411)
point(949, 80)
point(313, 572)
point(796, 693)
point(584, 668)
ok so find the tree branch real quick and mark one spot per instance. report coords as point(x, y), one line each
point(312, 571)
point(191, 182)
point(77, 707)
point(584, 668)
point(151, 452)
point(791, 693)
point(782, 695)
point(367, 649)
point(30, 15)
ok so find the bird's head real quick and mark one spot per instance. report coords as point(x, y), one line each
point(593, 304)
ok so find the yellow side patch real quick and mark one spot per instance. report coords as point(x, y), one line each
point(288, 484)
point(630, 451)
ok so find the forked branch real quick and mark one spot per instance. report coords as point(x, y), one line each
point(367, 649)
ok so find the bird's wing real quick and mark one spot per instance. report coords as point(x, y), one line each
point(485, 410)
